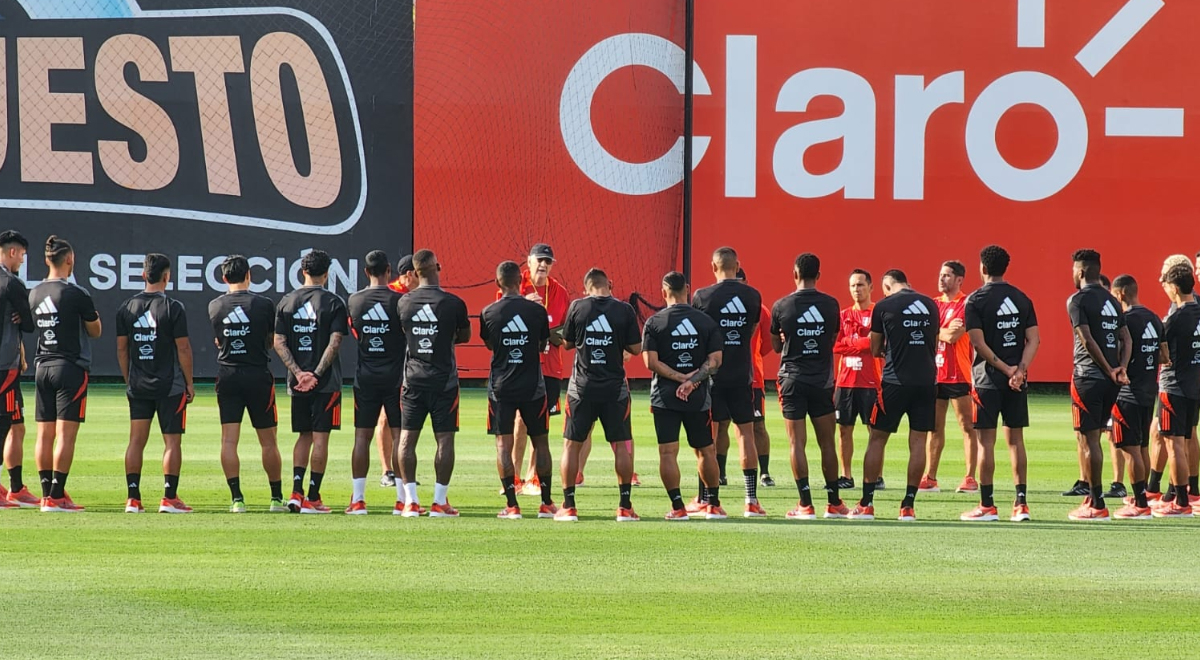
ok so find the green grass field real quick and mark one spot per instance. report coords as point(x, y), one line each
point(108, 585)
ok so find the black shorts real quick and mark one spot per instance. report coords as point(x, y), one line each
point(798, 400)
point(553, 394)
point(12, 403)
point(502, 416)
point(440, 407)
point(171, 411)
point(247, 390)
point(919, 402)
point(370, 400)
point(1177, 415)
point(62, 389)
point(948, 391)
point(316, 412)
point(988, 405)
point(760, 404)
point(1092, 403)
point(697, 425)
point(851, 403)
point(1131, 424)
point(733, 403)
point(612, 415)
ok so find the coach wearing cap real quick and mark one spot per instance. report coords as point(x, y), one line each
point(406, 275)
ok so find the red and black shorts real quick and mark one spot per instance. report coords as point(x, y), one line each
point(440, 407)
point(246, 390)
point(918, 402)
point(502, 416)
point(62, 389)
point(1177, 415)
point(316, 412)
point(696, 424)
point(12, 404)
point(1092, 401)
point(1131, 424)
point(171, 411)
point(612, 415)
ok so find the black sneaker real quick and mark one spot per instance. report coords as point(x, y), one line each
point(388, 480)
point(1116, 491)
point(723, 481)
point(767, 481)
point(879, 485)
point(845, 483)
point(1080, 489)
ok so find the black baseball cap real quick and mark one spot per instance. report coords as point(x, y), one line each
point(405, 265)
point(542, 251)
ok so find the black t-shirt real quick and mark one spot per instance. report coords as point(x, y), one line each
point(60, 308)
point(375, 322)
point(244, 325)
point(809, 321)
point(517, 330)
point(307, 318)
point(1101, 313)
point(600, 327)
point(431, 317)
point(152, 322)
point(1181, 332)
point(1003, 312)
point(683, 337)
point(737, 308)
point(909, 323)
point(1146, 331)
point(14, 299)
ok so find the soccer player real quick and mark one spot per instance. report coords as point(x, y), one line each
point(857, 372)
point(736, 307)
point(604, 329)
point(1157, 453)
point(155, 357)
point(1002, 325)
point(517, 331)
point(434, 321)
point(760, 346)
point(903, 332)
point(65, 320)
point(682, 347)
point(1081, 486)
point(243, 325)
point(15, 319)
point(1102, 351)
point(954, 385)
point(804, 327)
point(375, 323)
point(406, 280)
point(310, 323)
point(1179, 387)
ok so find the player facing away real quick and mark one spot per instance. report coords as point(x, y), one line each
point(954, 380)
point(434, 322)
point(375, 323)
point(1101, 356)
point(601, 329)
point(243, 325)
point(65, 321)
point(16, 318)
point(309, 325)
point(1001, 324)
point(387, 443)
point(682, 348)
point(857, 372)
point(904, 328)
point(516, 330)
point(1179, 387)
point(760, 346)
point(804, 328)
point(155, 357)
point(736, 307)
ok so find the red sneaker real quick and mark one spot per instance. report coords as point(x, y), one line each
point(24, 499)
point(5, 504)
point(1020, 513)
point(837, 511)
point(1171, 510)
point(860, 512)
point(173, 505)
point(801, 512)
point(509, 513)
point(69, 505)
point(1086, 513)
point(1130, 512)
point(696, 506)
point(627, 515)
point(358, 508)
point(3, 493)
point(309, 506)
point(1193, 500)
point(907, 514)
point(680, 515)
point(928, 485)
point(981, 514)
point(579, 479)
point(411, 510)
point(295, 502)
point(442, 511)
point(968, 485)
point(715, 513)
point(134, 506)
point(547, 510)
point(636, 482)
point(59, 505)
point(566, 514)
point(1152, 496)
point(754, 510)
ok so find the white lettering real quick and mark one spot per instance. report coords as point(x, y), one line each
point(103, 276)
point(915, 104)
point(131, 272)
point(598, 341)
point(188, 272)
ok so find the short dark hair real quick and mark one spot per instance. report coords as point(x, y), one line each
point(154, 266)
point(1090, 260)
point(725, 256)
point(57, 250)
point(860, 271)
point(1182, 277)
point(595, 278)
point(1126, 284)
point(377, 263)
point(508, 273)
point(675, 281)
point(425, 263)
point(315, 263)
point(995, 260)
point(955, 267)
point(808, 266)
point(897, 276)
point(235, 269)
point(13, 237)
point(1105, 282)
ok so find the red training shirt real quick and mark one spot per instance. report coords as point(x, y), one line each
point(953, 361)
point(556, 300)
point(760, 345)
point(856, 366)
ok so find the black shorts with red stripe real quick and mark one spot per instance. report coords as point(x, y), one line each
point(918, 402)
point(1177, 415)
point(1131, 424)
point(1092, 401)
point(62, 389)
point(440, 407)
point(989, 405)
point(171, 411)
point(316, 412)
point(612, 415)
point(242, 390)
point(12, 404)
point(502, 416)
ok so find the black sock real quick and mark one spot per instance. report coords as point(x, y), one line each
point(714, 495)
point(510, 490)
point(1097, 496)
point(1021, 494)
point(1155, 485)
point(805, 493)
point(1139, 494)
point(910, 496)
point(985, 495)
point(569, 497)
point(389, 474)
point(298, 479)
point(171, 489)
point(1181, 498)
point(314, 486)
point(277, 490)
point(764, 463)
point(751, 479)
point(676, 499)
point(831, 489)
point(701, 494)
point(721, 463)
point(14, 479)
point(868, 498)
point(235, 489)
point(626, 491)
point(544, 482)
point(133, 485)
point(47, 478)
point(1194, 485)
point(58, 485)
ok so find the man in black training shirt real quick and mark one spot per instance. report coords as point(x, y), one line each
point(804, 328)
point(155, 357)
point(375, 322)
point(1179, 387)
point(434, 321)
point(517, 331)
point(904, 329)
point(1002, 326)
point(1102, 351)
point(737, 309)
point(682, 347)
point(601, 329)
point(309, 325)
point(243, 325)
point(16, 318)
point(388, 443)
point(64, 319)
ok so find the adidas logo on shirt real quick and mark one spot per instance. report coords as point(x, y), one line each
point(376, 313)
point(600, 325)
point(1108, 309)
point(917, 307)
point(1007, 308)
point(734, 306)
point(149, 326)
point(517, 324)
point(1150, 332)
point(425, 315)
point(238, 315)
point(306, 313)
point(812, 316)
point(46, 307)
point(146, 321)
point(685, 329)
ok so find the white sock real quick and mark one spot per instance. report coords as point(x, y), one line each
point(400, 494)
point(410, 492)
point(360, 490)
point(439, 493)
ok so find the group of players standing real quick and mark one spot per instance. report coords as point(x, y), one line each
point(906, 356)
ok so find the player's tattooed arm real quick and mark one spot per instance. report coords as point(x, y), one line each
point(709, 368)
point(285, 355)
point(331, 351)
